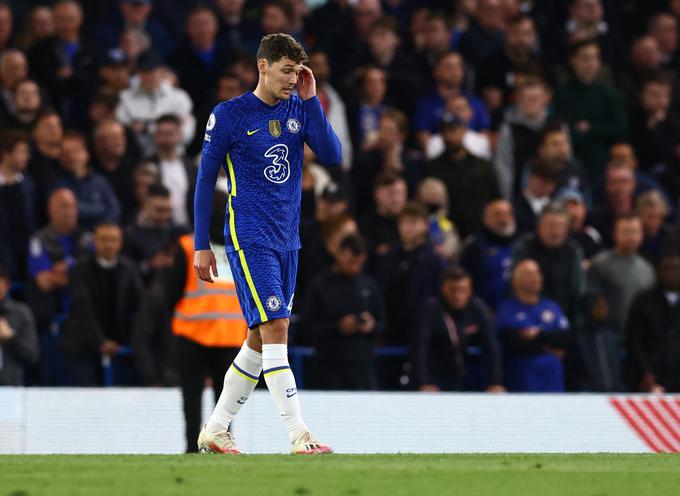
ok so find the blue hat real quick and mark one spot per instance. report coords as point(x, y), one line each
point(570, 194)
point(149, 61)
point(452, 120)
point(115, 56)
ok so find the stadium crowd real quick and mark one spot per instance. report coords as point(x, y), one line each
point(504, 216)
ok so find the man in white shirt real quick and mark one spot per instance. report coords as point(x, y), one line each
point(148, 98)
point(176, 171)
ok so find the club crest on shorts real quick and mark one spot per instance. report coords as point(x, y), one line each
point(273, 303)
point(293, 125)
point(275, 128)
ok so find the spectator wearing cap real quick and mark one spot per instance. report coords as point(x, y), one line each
point(583, 234)
point(519, 135)
point(534, 334)
point(344, 315)
point(622, 272)
point(456, 347)
point(17, 214)
point(114, 71)
point(379, 225)
point(538, 192)
point(487, 255)
point(151, 97)
point(199, 59)
point(96, 200)
point(470, 181)
point(653, 210)
point(594, 110)
point(558, 257)
point(136, 15)
point(18, 337)
point(652, 332)
point(148, 237)
point(475, 142)
point(64, 63)
point(408, 275)
point(387, 154)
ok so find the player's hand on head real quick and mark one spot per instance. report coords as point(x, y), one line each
point(204, 262)
point(306, 84)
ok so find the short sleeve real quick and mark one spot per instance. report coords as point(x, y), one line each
point(217, 138)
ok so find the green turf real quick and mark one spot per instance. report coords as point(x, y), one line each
point(456, 475)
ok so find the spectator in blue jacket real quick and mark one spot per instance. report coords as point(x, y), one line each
point(96, 200)
point(533, 332)
point(487, 255)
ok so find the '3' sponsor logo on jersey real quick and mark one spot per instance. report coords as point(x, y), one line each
point(279, 171)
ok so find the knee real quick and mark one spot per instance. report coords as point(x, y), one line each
point(274, 332)
point(254, 340)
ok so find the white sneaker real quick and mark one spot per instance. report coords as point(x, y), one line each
point(309, 445)
point(222, 442)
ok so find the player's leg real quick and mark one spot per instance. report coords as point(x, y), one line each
point(276, 368)
point(239, 382)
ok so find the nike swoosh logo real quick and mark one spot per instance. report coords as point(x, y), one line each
point(291, 395)
point(250, 133)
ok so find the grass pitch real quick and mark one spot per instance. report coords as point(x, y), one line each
point(350, 475)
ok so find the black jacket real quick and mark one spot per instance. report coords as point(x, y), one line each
point(471, 183)
point(93, 304)
point(451, 343)
point(563, 279)
point(407, 279)
point(653, 339)
point(20, 350)
point(331, 296)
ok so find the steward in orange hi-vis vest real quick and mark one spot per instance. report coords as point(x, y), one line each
point(208, 314)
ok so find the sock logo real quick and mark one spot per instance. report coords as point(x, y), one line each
point(242, 400)
point(290, 392)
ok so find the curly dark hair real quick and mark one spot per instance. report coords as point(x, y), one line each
point(274, 47)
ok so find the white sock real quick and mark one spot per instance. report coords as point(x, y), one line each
point(281, 384)
point(239, 381)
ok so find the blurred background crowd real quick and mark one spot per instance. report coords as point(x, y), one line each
point(504, 217)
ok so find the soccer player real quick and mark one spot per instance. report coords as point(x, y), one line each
point(258, 138)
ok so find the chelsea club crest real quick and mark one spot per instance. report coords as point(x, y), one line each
point(293, 125)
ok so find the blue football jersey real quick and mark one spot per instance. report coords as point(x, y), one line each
point(261, 147)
